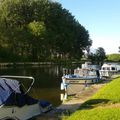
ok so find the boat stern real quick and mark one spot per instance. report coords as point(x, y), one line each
point(45, 106)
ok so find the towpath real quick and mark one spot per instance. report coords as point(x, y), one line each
point(73, 103)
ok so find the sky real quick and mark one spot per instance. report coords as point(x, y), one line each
point(101, 18)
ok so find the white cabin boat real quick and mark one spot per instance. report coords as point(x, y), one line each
point(109, 69)
point(15, 104)
point(87, 74)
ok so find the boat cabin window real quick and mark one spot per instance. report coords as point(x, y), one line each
point(103, 68)
point(113, 68)
point(108, 68)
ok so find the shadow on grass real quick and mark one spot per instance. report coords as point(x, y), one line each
point(93, 103)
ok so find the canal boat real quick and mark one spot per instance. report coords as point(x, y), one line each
point(109, 69)
point(15, 103)
point(80, 76)
point(78, 79)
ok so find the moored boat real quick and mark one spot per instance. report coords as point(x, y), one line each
point(88, 74)
point(15, 103)
point(109, 69)
point(78, 79)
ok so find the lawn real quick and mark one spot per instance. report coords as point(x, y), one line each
point(97, 114)
point(104, 105)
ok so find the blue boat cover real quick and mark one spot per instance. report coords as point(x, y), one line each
point(10, 93)
point(44, 103)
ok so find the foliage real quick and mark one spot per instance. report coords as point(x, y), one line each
point(98, 57)
point(41, 29)
point(102, 105)
point(36, 28)
point(113, 57)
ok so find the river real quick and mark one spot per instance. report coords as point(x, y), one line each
point(47, 81)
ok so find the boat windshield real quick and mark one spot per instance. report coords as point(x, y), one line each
point(26, 82)
point(11, 93)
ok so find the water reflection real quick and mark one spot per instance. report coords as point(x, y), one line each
point(47, 84)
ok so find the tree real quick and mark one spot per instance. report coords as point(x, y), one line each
point(38, 29)
point(70, 38)
point(98, 57)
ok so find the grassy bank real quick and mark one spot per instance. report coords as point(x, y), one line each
point(104, 105)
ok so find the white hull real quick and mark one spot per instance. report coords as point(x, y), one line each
point(77, 79)
point(107, 73)
point(80, 81)
point(11, 93)
point(19, 113)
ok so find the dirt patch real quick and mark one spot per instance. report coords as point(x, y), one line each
point(75, 101)
point(116, 105)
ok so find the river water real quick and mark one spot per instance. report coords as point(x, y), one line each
point(47, 81)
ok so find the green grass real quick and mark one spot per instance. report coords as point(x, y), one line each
point(98, 107)
point(110, 92)
point(97, 114)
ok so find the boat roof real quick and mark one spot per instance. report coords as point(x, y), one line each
point(109, 65)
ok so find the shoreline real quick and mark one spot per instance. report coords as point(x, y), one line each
point(12, 64)
point(73, 103)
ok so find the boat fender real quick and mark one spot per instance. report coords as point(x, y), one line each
point(62, 86)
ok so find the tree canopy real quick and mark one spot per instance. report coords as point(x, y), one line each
point(34, 30)
point(98, 57)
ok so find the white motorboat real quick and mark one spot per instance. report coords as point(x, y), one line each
point(109, 69)
point(87, 74)
point(80, 76)
point(78, 79)
point(15, 104)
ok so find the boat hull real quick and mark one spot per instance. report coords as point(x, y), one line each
point(19, 113)
point(80, 81)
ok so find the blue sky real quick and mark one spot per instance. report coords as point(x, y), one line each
point(101, 18)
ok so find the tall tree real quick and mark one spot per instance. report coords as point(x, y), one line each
point(39, 29)
point(101, 55)
point(98, 57)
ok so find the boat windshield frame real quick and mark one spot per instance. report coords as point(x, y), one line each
point(21, 77)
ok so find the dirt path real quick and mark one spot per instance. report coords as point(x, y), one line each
point(74, 102)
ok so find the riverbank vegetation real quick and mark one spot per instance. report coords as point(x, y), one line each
point(104, 105)
point(97, 57)
point(113, 57)
point(40, 30)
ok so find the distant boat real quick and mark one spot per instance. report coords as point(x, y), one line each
point(87, 74)
point(15, 104)
point(109, 69)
